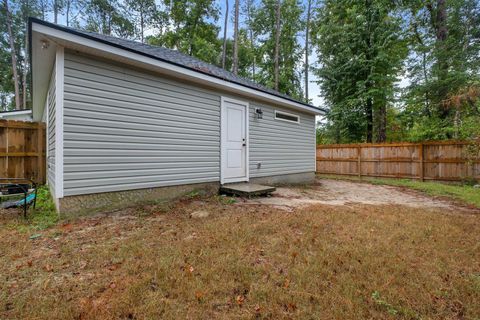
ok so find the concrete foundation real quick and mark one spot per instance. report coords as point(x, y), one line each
point(286, 179)
point(109, 201)
point(103, 202)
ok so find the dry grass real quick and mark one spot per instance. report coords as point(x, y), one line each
point(244, 262)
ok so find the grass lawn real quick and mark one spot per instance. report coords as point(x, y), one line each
point(461, 192)
point(245, 262)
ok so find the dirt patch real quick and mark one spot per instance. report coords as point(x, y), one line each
point(348, 193)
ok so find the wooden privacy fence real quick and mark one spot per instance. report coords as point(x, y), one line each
point(22, 150)
point(436, 160)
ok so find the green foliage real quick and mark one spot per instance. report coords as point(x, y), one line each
point(264, 26)
point(43, 216)
point(143, 14)
point(442, 64)
point(108, 17)
point(246, 53)
point(361, 50)
point(225, 200)
point(393, 310)
point(19, 13)
point(194, 32)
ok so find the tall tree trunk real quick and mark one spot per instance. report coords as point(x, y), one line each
point(225, 25)
point(67, 12)
point(456, 123)
point(307, 34)
point(382, 123)
point(369, 116)
point(235, 38)
point(14, 55)
point(250, 31)
point(277, 45)
point(438, 21)
point(55, 11)
point(193, 30)
point(142, 26)
point(369, 84)
point(43, 8)
point(442, 34)
point(26, 13)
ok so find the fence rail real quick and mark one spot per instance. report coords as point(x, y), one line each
point(436, 160)
point(22, 150)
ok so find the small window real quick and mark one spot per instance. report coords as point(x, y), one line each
point(280, 115)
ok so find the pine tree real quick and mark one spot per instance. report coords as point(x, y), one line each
point(361, 52)
point(278, 58)
point(194, 31)
point(225, 26)
point(236, 36)
point(13, 52)
point(108, 17)
point(144, 12)
point(307, 46)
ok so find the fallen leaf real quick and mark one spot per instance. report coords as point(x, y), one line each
point(112, 267)
point(240, 299)
point(290, 307)
point(199, 295)
point(83, 264)
point(67, 227)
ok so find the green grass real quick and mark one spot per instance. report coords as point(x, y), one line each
point(42, 217)
point(461, 192)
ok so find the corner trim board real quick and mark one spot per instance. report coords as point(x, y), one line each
point(59, 92)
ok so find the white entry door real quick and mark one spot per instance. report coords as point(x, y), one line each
point(234, 137)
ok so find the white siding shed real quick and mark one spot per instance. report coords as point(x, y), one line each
point(123, 116)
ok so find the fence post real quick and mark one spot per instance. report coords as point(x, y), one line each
point(420, 156)
point(359, 161)
point(7, 141)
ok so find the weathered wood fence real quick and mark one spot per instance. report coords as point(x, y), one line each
point(22, 150)
point(436, 160)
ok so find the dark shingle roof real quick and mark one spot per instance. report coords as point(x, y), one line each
point(173, 57)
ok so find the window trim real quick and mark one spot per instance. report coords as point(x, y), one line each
point(287, 114)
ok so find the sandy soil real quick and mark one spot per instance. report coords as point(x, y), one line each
point(348, 193)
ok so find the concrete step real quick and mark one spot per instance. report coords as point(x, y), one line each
point(246, 189)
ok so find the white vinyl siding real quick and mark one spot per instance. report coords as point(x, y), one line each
point(131, 129)
point(282, 147)
point(51, 105)
point(125, 129)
